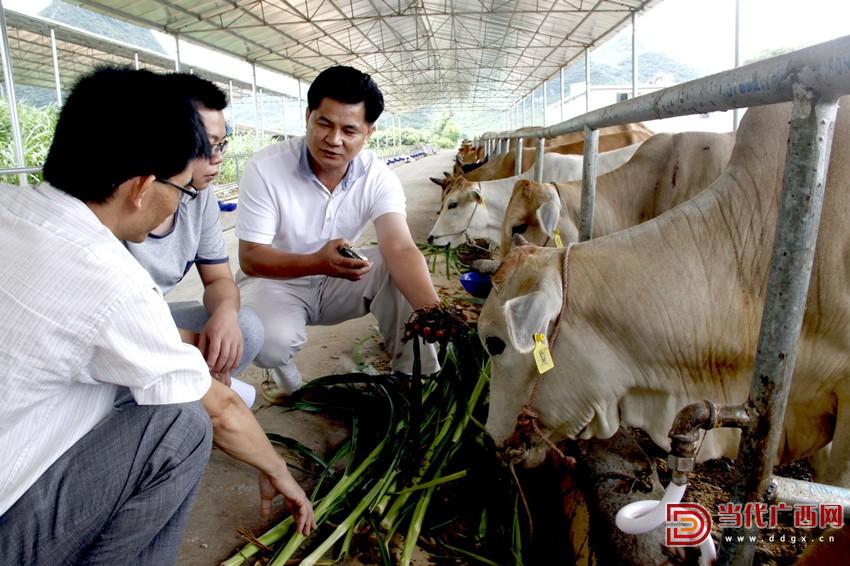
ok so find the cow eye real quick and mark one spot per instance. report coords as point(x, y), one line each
point(519, 229)
point(452, 205)
point(495, 345)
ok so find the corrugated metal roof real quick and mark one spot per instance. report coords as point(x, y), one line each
point(78, 52)
point(452, 53)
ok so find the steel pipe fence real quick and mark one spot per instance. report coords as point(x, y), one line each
point(812, 79)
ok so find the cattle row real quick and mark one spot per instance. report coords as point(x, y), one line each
point(662, 308)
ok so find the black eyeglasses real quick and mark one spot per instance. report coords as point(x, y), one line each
point(189, 192)
point(220, 147)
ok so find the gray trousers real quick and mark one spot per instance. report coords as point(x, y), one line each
point(120, 495)
point(192, 315)
point(285, 307)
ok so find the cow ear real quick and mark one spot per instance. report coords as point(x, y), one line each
point(476, 194)
point(437, 181)
point(549, 212)
point(527, 315)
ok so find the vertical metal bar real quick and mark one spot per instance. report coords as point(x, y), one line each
point(588, 184)
point(634, 56)
point(545, 102)
point(518, 156)
point(735, 120)
point(56, 78)
point(176, 52)
point(136, 60)
point(260, 124)
point(587, 79)
point(12, 99)
point(256, 104)
point(301, 111)
point(232, 104)
point(538, 160)
point(532, 107)
point(561, 105)
point(800, 204)
point(283, 113)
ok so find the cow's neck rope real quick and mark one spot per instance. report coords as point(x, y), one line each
point(528, 417)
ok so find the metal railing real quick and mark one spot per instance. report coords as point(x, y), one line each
point(812, 79)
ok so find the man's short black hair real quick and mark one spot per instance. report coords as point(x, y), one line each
point(119, 123)
point(347, 85)
point(202, 91)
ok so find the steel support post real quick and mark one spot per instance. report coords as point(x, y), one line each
point(506, 146)
point(735, 120)
point(283, 113)
point(260, 125)
point(176, 53)
point(256, 104)
point(588, 184)
point(232, 103)
point(561, 104)
point(545, 102)
point(532, 106)
point(806, 164)
point(6, 54)
point(136, 61)
point(302, 115)
point(518, 157)
point(587, 79)
point(538, 160)
point(56, 78)
point(634, 56)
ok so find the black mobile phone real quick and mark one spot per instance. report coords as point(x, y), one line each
point(352, 254)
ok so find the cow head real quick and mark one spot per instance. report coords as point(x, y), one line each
point(459, 217)
point(526, 300)
point(534, 212)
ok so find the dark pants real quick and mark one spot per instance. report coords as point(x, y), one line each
point(120, 496)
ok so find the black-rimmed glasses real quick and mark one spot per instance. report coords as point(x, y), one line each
point(189, 192)
point(220, 147)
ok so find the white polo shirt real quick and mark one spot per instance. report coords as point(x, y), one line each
point(79, 318)
point(282, 203)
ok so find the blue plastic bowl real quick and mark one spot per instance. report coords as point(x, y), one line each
point(476, 284)
point(226, 206)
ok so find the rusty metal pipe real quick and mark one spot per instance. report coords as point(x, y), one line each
point(684, 433)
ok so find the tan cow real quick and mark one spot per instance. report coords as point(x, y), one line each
point(666, 170)
point(667, 313)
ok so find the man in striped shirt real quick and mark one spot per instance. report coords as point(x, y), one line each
point(86, 480)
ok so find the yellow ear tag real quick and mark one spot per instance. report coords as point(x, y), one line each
point(483, 202)
point(542, 357)
point(558, 241)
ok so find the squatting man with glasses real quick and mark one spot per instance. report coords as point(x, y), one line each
point(302, 202)
point(229, 336)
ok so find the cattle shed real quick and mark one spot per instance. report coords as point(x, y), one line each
point(507, 57)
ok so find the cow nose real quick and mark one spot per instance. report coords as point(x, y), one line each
point(430, 239)
point(495, 345)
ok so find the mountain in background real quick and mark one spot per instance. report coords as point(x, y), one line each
point(102, 25)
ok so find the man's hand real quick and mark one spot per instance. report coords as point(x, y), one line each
point(334, 264)
point(294, 497)
point(221, 344)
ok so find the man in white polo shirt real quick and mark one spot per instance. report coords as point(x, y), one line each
point(86, 480)
point(304, 200)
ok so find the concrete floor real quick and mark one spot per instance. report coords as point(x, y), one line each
point(229, 498)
